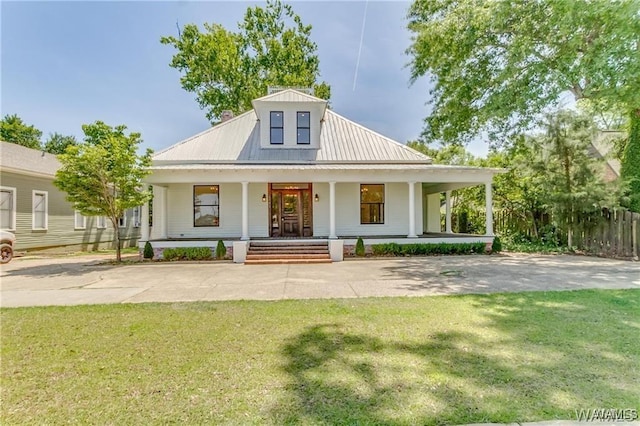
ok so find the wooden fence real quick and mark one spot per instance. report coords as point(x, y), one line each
point(613, 233)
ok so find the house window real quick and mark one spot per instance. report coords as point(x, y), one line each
point(40, 210)
point(371, 204)
point(277, 127)
point(7, 208)
point(304, 125)
point(206, 205)
point(136, 217)
point(101, 222)
point(80, 220)
point(122, 220)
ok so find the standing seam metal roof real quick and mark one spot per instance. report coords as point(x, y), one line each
point(341, 141)
point(19, 158)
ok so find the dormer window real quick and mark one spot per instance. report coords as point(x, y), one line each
point(304, 128)
point(277, 127)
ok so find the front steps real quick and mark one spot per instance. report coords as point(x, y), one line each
point(272, 252)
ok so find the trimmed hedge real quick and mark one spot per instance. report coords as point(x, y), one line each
point(360, 247)
point(221, 250)
point(148, 251)
point(394, 249)
point(187, 253)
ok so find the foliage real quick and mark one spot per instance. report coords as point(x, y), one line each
point(394, 249)
point(102, 176)
point(496, 65)
point(221, 250)
point(148, 251)
point(227, 70)
point(187, 253)
point(496, 246)
point(630, 167)
point(57, 143)
point(360, 247)
point(14, 130)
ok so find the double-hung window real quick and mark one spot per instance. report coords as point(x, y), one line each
point(276, 127)
point(101, 222)
point(80, 221)
point(304, 127)
point(372, 204)
point(40, 210)
point(206, 205)
point(7, 208)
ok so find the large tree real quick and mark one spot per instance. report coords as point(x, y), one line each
point(57, 143)
point(496, 65)
point(14, 130)
point(102, 176)
point(227, 70)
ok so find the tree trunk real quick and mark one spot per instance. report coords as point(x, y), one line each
point(116, 236)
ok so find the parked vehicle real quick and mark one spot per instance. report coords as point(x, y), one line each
point(7, 240)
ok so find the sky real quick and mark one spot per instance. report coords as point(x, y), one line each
point(64, 64)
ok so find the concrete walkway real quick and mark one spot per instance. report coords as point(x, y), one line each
point(87, 280)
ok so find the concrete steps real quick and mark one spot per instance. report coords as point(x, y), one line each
point(272, 252)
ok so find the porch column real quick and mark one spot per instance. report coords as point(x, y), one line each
point(447, 219)
point(144, 225)
point(245, 211)
point(412, 210)
point(160, 216)
point(332, 210)
point(489, 207)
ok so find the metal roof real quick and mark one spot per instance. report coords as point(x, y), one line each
point(289, 95)
point(412, 167)
point(20, 159)
point(237, 141)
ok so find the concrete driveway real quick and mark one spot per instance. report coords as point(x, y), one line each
point(87, 280)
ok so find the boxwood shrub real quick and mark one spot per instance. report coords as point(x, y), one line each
point(187, 253)
point(394, 249)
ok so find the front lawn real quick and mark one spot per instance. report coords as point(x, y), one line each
point(434, 360)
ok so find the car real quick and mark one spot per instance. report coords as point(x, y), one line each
point(7, 240)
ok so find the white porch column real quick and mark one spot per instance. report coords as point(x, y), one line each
point(144, 225)
point(447, 219)
point(245, 211)
point(160, 216)
point(489, 206)
point(332, 210)
point(412, 210)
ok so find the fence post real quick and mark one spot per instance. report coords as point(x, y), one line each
point(634, 235)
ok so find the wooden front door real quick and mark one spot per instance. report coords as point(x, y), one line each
point(290, 210)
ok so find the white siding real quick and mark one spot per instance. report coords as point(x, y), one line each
point(321, 210)
point(258, 211)
point(432, 213)
point(396, 211)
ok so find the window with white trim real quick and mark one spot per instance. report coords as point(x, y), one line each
point(7, 208)
point(136, 217)
point(40, 209)
point(304, 127)
point(80, 221)
point(122, 220)
point(101, 222)
point(276, 127)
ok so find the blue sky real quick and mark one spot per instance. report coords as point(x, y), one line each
point(65, 64)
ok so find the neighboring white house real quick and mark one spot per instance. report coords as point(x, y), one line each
point(292, 168)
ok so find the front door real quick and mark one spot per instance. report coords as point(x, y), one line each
point(290, 210)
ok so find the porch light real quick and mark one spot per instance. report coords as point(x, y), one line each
point(264, 198)
point(316, 198)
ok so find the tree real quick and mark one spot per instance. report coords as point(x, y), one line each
point(227, 70)
point(102, 176)
point(630, 166)
point(497, 65)
point(57, 143)
point(14, 130)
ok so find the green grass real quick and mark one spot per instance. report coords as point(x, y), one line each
point(436, 360)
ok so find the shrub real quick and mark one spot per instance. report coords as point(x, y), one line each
point(187, 253)
point(221, 250)
point(496, 247)
point(147, 253)
point(394, 249)
point(360, 247)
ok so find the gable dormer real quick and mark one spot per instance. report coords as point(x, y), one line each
point(290, 119)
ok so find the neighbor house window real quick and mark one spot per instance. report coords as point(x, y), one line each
point(101, 222)
point(136, 217)
point(40, 210)
point(7, 208)
point(122, 220)
point(206, 205)
point(304, 125)
point(80, 220)
point(277, 127)
point(371, 204)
